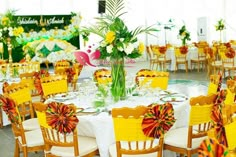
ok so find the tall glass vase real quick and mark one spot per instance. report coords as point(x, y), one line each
point(118, 90)
point(183, 42)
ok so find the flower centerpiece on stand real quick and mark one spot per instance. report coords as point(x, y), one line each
point(220, 26)
point(9, 31)
point(184, 35)
point(117, 43)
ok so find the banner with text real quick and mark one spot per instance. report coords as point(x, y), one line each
point(37, 22)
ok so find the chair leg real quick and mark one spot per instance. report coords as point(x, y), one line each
point(181, 155)
point(176, 67)
point(1, 119)
point(25, 152)
point(17, 149)
point(189, 154)
point(186, 67)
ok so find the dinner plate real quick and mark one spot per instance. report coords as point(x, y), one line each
point(64, 96)
point(90, 110)
point(174, 98)
point(79, 110)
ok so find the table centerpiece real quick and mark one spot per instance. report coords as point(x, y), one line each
point(117, 43)
point(220, 26)
point(184, 35)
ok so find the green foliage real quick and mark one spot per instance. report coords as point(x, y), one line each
point(117, 40)
point(220, 25)
point(101, 96)
point(184, 34)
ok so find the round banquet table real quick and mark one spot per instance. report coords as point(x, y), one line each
point(98, 122)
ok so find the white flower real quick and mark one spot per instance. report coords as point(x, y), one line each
point(109, 49)
point(103, 44)
point(11, 33)
point(120, 48)
point(10, 28)
point(5, 28)
point(129, 49)
point(122, 39)
point(0, 34)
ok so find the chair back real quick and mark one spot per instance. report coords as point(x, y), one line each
point(61, 66)
point(21, 94)
point(201, 45)
point(214, 85)
point(29, 79)
point(52, 136)
point(15, 69)
point(77, 68)
point(200, 122)
point(180, 55)
point(53, 85)
point(229, 113)
point(201, 50)
point(159, 51)
point(149, 52)
point(230, 130)
point(129, 136)
point(102, 76)
point(153, 78)
point(26, 141)
point(31, 66)
point(230, 92)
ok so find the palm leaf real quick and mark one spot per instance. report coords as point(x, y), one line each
point(148, 30)
point(95, 30)
point(115, 7)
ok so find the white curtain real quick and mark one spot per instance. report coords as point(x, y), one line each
point(143, 12)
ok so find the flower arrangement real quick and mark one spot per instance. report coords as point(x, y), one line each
point(184, 35)
point(117, 40)
point(117, 43)
point(9, 28)
point(220, 25)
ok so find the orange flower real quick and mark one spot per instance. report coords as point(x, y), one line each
point(162, 49)
point(183, 49)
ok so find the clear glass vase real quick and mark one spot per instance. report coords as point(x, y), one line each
point(118, 90)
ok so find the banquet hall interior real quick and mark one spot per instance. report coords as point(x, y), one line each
point(69, 67)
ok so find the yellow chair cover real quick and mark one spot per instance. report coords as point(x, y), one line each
point(229, 97)
point(212, 89)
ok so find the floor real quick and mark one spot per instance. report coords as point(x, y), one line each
point(7, 139)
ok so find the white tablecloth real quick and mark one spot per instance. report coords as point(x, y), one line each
point(100, 125)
